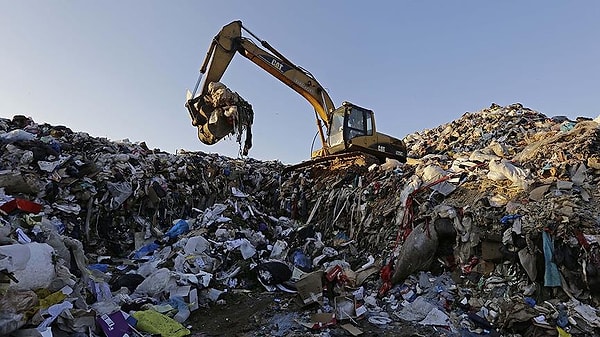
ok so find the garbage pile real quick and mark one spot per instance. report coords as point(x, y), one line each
point(221, 112)
point(491, 227)
point(505, 200)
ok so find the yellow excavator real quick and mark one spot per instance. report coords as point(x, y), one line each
point(350, 129)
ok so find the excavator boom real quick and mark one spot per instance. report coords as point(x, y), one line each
point(230, 41)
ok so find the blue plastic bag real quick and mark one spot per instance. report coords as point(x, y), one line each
point(302, 261)
point(178, 228)
point(145, 250)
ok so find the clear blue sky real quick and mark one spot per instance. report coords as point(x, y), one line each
point(120, 69)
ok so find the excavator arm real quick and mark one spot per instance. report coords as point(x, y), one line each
point(230, 41)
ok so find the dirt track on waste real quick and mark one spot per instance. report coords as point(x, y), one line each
point(239, 315)
point(278, 314)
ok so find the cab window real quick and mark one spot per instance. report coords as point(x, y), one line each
point(337, 127)
point(359, 123)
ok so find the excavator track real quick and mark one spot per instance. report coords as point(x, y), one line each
point(334, 162)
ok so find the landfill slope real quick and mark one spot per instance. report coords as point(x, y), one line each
point(492, 226)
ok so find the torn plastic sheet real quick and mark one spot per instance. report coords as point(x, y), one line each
point(528, 261)
point(237, 193)
point(213, 215)
point(200, 278)
point(416, 253)
point(480, 156)
point(32, 264)
point(196, 245)
point(589, 314)
point(415, 311)
point(16, 135)
point(10, 322)
point(436, 317)
point(246, 248)
point(432, 173)
point(54, 311)
point(504, 169)
point(14, 257)
point(67, 208)
point(119, 192)
point(100, 289)
point(51, 166)
point(412, 185)
point(159, 281)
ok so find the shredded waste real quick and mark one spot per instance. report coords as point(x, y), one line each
point(220, 113)
point(491, 228)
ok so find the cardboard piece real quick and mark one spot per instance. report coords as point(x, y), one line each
point(310, 287)
point(297, 274)
point(354, 331)
point(362, 275)
point(490, 251)
point(538, 193)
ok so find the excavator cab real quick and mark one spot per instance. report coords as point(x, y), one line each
point(352, 128)
point(348, 122)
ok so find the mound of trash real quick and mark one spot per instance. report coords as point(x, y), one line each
point(491, 227)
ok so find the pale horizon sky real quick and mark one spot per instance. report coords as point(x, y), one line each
point(120, 69)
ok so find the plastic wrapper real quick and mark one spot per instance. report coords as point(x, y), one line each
point(503, 169)
point(159, 281)
point(417, 252)
point(157, 323)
